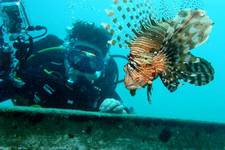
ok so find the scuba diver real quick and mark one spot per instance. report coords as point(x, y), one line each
point(76, 74)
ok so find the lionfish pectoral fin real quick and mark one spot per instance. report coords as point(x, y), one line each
point(170, 81)
point(149, 93)
point(170, 77)
point(192, 28)
point(197, 71)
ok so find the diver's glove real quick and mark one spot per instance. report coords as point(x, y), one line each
point(16, 81)
point(111, 105)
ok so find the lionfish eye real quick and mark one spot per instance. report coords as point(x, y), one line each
point(155, 52)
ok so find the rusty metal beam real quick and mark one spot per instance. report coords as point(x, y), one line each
point(38, 128)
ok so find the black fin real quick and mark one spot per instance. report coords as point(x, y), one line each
point(198, 73)
point(170, 80)
point(149, 93)
point(171, 52)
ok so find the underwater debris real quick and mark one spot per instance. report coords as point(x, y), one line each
point(89, 130)
point(71, 136)
point(165, 135)
point(160, 47)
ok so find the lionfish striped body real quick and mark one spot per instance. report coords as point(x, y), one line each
point(162, 49)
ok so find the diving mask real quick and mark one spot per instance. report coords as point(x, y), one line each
point(85, 59)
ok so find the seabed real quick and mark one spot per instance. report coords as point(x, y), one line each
point(57, 129)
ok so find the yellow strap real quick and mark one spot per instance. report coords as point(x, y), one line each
point(59, 48)
point(48, 72)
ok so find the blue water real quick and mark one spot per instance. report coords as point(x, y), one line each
point(205, 103)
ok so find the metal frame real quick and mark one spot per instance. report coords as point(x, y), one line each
point(40, 128)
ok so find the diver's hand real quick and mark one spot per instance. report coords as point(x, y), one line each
point(111, 105)
point(18, 83)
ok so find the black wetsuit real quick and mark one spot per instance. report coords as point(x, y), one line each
point(46, 83)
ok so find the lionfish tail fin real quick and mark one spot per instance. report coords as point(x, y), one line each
point(197, 71)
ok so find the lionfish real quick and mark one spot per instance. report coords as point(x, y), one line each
point(161, 47)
